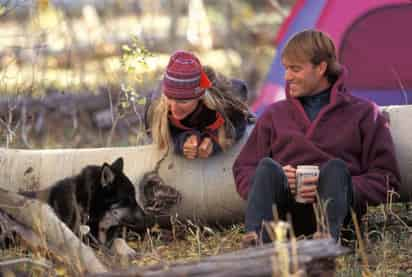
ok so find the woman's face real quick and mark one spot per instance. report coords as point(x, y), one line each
point(181, 108)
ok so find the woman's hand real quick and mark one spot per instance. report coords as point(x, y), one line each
point(205, 148)
point(190, 147)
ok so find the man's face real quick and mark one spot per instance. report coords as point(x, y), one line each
point(304, 78)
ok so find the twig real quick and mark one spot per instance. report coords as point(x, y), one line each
point(365, 271)
point(401, 85)
point(23, 126)
point(276, 6)
point(115, 119)
point(9, 262)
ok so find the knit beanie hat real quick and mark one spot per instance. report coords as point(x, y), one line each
point(184, 77)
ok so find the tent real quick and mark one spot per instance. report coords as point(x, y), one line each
point(373, 39)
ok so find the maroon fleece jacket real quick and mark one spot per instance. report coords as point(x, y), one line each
point(348, 128)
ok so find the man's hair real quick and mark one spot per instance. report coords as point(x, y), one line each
point(314, 47)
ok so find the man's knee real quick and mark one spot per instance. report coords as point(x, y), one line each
point(270, 179)
point(335, 180)
point(334, 166)
point(269, 166)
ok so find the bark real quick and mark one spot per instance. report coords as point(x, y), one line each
point(54, 234)
point(314, 258)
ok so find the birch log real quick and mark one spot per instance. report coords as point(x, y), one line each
point(46, 224)
point(207, 186)
point(400, 125)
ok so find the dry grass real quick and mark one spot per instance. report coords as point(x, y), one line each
point(387, 239)
point(193, 242)
point(386, 246)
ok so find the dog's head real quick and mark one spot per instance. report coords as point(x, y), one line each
point(118, 200)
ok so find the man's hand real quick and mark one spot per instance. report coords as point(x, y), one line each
point(308, 189)
point(290, 172)
point(190, 147)
point(205, 148)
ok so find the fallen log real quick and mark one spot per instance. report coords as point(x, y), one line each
point(207, 186)
point(46, 225)
point(16, 267)
point(313, 258)
point(399, 124)
point(9, 227)
point(13, 233)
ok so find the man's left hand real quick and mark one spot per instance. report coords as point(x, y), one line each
point(205, 149)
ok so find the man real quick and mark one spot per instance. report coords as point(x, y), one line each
point(319, 123)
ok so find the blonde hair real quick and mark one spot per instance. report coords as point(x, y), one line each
point(316, 47)
point(218, 98)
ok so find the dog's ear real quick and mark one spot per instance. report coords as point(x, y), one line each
point(107, 176)
point(117, 165)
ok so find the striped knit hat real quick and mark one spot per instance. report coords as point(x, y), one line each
point(184, 77)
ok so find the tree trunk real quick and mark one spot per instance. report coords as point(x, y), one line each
point(314, 258)
point(54, 234)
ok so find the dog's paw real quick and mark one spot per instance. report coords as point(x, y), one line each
point(84, 230)
point(122, 249)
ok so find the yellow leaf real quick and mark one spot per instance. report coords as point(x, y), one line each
point(2, 10)
point(61, 271)
point(366, 273)
point(141, 101)
point(43, 4)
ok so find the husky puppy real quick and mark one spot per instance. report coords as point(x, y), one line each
point(101, 197)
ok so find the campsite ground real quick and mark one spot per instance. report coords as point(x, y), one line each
point(386, 246)
point(387, 239)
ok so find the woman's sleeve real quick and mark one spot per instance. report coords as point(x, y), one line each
point(179, 138)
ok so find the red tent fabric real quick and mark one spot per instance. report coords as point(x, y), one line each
point(373, 40)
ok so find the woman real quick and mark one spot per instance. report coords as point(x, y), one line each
point(196, 111)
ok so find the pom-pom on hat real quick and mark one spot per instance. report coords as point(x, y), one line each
point(184, 77)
